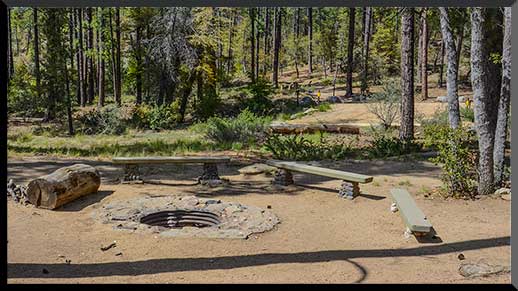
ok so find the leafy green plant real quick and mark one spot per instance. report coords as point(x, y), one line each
point(467, 114)
point(105, 120)
point(259, 102)
point(383, 147)
point(247, 128)
point(300, 148)
point(457, 156)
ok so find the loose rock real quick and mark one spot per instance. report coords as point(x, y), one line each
point(481, 269)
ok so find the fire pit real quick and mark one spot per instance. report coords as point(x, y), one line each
point(186, 216)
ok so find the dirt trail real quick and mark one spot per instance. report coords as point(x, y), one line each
point(321, 238)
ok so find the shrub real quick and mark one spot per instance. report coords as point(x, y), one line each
point(247, 128)
point(457, 155)
point(300, 148)
point(21, 94)
point(467, 114)
point(385, 105)
point(383, 147)
point(155, 117)
point(105, 120)
point(260, 102)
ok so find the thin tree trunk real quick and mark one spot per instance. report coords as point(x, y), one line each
point(257, 44)
point(185, 95)
point(504, 103)
point(251, 11)
point(460, 38)
point(310, 36)
point(406, 130)
point(100, 33)
point(10, 48)
point(482, 99)
point(277, 45)
point(82, 60)
point(139, 66)
point(366, 41)
point(37, 53)
point(118, 89)
point(230, 34)
point(350, 48)
point(91, 70)
point(67, 89)
point(451, 82)
point(424, 57)
point(112, 55)
point(297, 35)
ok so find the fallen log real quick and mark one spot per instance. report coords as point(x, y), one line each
point(311, 128)
point(62, 186)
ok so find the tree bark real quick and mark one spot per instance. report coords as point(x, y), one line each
point(451, 76)
point(277, 45)
point(118, 86)
point(91, 70)
point(481, 95)
point(139, 66)
point(251, 11)
point(113, 57)
point(81, 61)
point(230, 34)
point(366, 41)
point(350, 48)
point(424, 56)
point(504, 103)
point(10, 47)
point(100, 81)
point(406, 130)
point(63, 186)
point(310, 36)
point(441, 67)
point(37, 53)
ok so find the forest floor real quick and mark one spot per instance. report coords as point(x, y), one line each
point(322, 238)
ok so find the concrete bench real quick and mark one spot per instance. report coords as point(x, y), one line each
point(132, 173)
point(414, 218)
point(350, 186)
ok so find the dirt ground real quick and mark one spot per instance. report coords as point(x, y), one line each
point(321, 238)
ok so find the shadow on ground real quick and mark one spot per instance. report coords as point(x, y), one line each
point(156, 266)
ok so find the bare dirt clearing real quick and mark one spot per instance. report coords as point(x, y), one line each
point(321, 238)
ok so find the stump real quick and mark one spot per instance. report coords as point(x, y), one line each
point(62, 186)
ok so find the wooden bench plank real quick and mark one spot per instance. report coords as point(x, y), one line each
point(347, 176)
point(165, 160)
point(414, 218)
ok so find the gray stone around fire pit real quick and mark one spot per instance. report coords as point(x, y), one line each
point(236, 220)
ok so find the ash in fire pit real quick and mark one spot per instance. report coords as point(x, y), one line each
point(187, 216)
point(181, 218)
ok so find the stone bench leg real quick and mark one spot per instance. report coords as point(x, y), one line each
point(283, 177)
point(131, 174)
point(210, 174)
point(349, 190)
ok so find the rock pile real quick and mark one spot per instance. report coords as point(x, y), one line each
point(17, 192)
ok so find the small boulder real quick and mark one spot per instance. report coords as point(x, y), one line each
point(481, 269)
point(256, 169)
point(442, 99)
point(307, 101)
point(334, 99)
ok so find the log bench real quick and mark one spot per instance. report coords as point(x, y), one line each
point(132, 173)
point(350, 186)
point(414, 218)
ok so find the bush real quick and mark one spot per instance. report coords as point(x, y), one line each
point(155, 117)
point(299, 148)
point(22, 96)
point(467, 114)
point(385, 105)
point(260, 102)
point(105, 120)
point(383, 147)
point(247, 129)
point(457, 155)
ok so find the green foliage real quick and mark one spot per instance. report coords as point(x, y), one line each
point(467, 114)
point(457, 156)
point(383, 147)
point(247, 129)
point(105, 120)
point(156, 117)
point(300, 148)
point(259, 102)
point(385, 104)
point(21, 93)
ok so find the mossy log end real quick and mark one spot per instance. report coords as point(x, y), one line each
point(62, 186)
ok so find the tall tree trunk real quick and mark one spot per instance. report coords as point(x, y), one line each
point(277, 45)
point(71, 38)
point(451, 76)
point(424, 57)
point(112, 55)
point(310, 36)
point(139, 66)
point(350, 48)
point(257, 46)
point(460, 38)
point(10, 47)
point(504, 103)
point(82, 60)
point(91, 70)
point(297, 35)
point(366, 41)
point(251, 11)
point(100, 32)
point(230, 34)
point(482, 99)
point(118, 85)
point(67, 90)
point(406, 130)
point(185, 95)
point(37, 53)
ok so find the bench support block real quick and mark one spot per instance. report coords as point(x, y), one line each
point(283, 177)
point(131, 174)
point(210, 174)
point(349, 190)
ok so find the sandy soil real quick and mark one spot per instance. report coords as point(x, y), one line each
point(321, 239)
